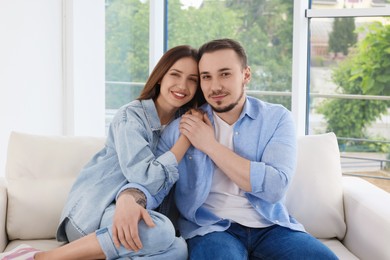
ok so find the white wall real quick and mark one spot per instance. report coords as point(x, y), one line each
point(51, 68)
point(30, 69)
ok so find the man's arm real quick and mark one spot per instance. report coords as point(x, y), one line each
point(266, 177)
point(201, 135)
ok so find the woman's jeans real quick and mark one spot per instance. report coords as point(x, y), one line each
point(274, 242)
point(159, 242)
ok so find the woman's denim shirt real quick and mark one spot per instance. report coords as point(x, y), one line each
point(263, 134)
point(128, 156)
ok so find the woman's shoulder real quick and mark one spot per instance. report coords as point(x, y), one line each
point(131, 110)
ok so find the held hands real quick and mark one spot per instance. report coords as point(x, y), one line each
point(125, 225)
point(196, 126)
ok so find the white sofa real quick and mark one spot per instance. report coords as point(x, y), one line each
point(348, 214)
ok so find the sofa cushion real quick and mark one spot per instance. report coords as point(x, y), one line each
point(40, 171)
point(315, 197)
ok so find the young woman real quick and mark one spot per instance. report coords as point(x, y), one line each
point(102, 203)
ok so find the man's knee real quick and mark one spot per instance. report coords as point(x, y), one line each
point(216, 245)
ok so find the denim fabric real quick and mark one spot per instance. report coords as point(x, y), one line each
point(158, 242)
point(128, 156)
point(275, 242)
point(72, 233)
point(263, 134)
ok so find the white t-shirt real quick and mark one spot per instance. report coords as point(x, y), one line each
point(226, 199)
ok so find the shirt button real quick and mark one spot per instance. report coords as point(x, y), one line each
point(236, 133)
point(276, 221)
point(190, 157)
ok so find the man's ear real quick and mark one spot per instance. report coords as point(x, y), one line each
point(247, 74)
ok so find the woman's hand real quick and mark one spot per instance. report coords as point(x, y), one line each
point(127, 215)
point(198, 129)
point(196, 112)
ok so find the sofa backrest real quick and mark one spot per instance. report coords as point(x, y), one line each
point(315, 196)
point(39, 172)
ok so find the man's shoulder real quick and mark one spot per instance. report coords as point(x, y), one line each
point(265, 108)
point(260, 103)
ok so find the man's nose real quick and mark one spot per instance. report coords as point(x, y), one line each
point(215, 85)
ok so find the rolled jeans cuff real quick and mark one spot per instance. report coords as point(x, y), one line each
point(105, 241)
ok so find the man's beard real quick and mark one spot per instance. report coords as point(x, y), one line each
point(228, 107)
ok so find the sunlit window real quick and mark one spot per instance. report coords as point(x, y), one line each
point(127, 52)
point(350, 86)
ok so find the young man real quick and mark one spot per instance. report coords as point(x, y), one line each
point(234, 179)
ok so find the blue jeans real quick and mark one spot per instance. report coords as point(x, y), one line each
point(274, 242)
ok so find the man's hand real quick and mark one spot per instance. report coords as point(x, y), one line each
point(127, 215)
point(198, 129)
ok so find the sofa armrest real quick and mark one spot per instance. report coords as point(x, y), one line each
point(367, 215)
point(3, 214)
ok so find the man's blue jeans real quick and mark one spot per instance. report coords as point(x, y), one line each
point(274, 242)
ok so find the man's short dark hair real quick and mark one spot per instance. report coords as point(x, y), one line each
point(221, 44)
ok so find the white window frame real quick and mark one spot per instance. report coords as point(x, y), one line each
point(83, 67)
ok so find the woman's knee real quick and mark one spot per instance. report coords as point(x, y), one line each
point(159, 237)
point(178, 250)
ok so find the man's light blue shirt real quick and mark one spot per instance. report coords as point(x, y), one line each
point(263, 134)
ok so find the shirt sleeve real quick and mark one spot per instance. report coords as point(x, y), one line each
point(271, 175)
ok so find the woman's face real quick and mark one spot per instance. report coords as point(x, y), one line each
point(179, 84)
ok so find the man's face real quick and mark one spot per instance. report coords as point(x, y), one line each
point(223, 80)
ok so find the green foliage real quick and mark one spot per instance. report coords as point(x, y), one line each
point(373, 64)
point(343, 35)
point(127, 48)
point(195, 26)
point(364, 72)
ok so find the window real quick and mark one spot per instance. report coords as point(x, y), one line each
point(127, 52)
point(349, 83)
point(187, 22)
